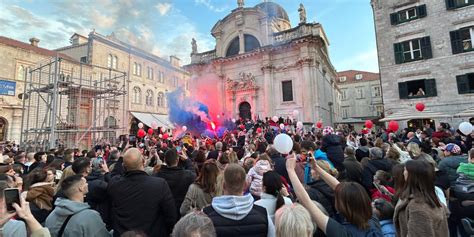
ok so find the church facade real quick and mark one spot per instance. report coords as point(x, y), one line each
point(265, 67)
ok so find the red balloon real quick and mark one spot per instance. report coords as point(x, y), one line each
point(165, 136)
point(141, 133)
point(368, 124)
point(259, 130)
point(319, 124)
point(150, 131)
point(420, 107)
point(393, 125)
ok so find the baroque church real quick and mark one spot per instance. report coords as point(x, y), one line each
point(263, 66)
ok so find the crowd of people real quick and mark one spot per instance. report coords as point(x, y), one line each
point(334, 182)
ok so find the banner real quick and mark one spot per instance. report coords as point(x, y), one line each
point(7, 87)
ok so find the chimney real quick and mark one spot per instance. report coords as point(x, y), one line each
point(34, 41)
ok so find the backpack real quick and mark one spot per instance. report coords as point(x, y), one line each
point(464, 188)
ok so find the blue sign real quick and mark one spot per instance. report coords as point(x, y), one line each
point(7, 87)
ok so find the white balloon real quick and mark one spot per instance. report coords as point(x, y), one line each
point(275, 119)
point(163, 129)
point(154, 125)
point(140, 125)
point(233, 120)
point(160, 136)
point(296, 112)
point(299, 124)
point(184, 128)
point(465, 128)
point(282, 126)
point(283, 143)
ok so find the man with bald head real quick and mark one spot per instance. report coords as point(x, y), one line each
point(140, 202)
point(413, 138)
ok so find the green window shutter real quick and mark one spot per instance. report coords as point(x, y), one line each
point(398, 48)
point(426, 47)
point(456, 42)
point(430, 87)
point(403, 90)
point(450, 4)
point(394, 18)
point(463, 84)
point(421, 11)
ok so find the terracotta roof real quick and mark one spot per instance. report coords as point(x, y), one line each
point(42, 51)
point(351, 76)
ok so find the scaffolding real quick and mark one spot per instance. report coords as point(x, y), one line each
point(72, 105)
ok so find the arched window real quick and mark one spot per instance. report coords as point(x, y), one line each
point(134, 71)
point(161, 100)
point(137, 95)
point(233, 48)
point(110, 58)
point(149, 97)
point(21, 73)
point(115, 62)
point(251, 43)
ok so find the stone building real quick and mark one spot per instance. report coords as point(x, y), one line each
point(361, 95)
point(262, 66)
point(16, 58)
point(426, 55)
point(149, 77)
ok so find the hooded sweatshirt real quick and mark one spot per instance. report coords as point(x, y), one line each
point(255, 176)
point(84, 221)
point(237, 208)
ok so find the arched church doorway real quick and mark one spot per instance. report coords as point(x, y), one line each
point(3, 129)
point(244, 110)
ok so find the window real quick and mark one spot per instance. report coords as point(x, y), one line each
point(134, 70)
point(343, 95)
point(84, 59)
point(358, 76)
point(21, 73)
point(345, 112)
point(161, 77)
point(149, 74)
point(250, 42)
point(379, 109)
point(408, 14)
point(137, 95)
point(376, 91)
point(453, 4)
point(360, 93)
point(161, 100)
point(465, 83)
point(342, 79)
point(287, 90)
point(233, 48)
point(461, 40)
point(412, 50)
point(139, 69)
point(114, 62)
point(109, 61)
point(149, 97)
point(417, 89)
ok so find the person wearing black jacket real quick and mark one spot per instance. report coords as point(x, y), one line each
point(178, 178)
point(279, 163)
point(376, 162)
point(97, 181)
point(140, 202)
point(332, 145)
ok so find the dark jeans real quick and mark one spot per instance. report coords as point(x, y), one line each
point(457, 213)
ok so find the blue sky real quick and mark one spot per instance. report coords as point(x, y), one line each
point(165, 27)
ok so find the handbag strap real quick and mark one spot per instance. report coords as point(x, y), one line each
point(63, 227)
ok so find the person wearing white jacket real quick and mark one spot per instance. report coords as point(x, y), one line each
point(273, 195)
point(255, 175)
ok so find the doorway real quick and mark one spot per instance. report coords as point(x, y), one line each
point(244, 110)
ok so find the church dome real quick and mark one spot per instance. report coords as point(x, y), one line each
point(273, 10)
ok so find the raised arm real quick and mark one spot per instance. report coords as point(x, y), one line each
point(329, 179)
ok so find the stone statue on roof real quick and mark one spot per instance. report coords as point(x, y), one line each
point(240, 3)
point(194, 46)
point(302, 12)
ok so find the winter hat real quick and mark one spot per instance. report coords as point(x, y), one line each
point(452, 148)
point(328, 130)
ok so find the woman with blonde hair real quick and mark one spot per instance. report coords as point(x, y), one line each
point(66, 173)
point(293, 221)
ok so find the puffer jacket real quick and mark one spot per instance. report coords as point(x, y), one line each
point(332, 145)
point(255, 176)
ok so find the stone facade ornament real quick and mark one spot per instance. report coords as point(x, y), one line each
point(246, 81)
point(194, 46)
point(302, 12)
point(240, 3)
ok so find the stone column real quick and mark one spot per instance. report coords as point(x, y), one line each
point(241, 42)
point(234, 106)
point(267, 89)
point(255, 105)
point(308, 102)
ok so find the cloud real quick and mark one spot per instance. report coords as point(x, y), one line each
point(163, 8)
point(365, 61)
point(211, 6)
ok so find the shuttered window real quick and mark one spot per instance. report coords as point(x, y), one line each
point(413, 50)
point(462, 40)
point(465, 83)
point(287, 90)
point(408, 14)
point(453, 4)
point(417, 89)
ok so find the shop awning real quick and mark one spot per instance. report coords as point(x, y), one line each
point(407, 114)
point(466, 113)
point(147, 118)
